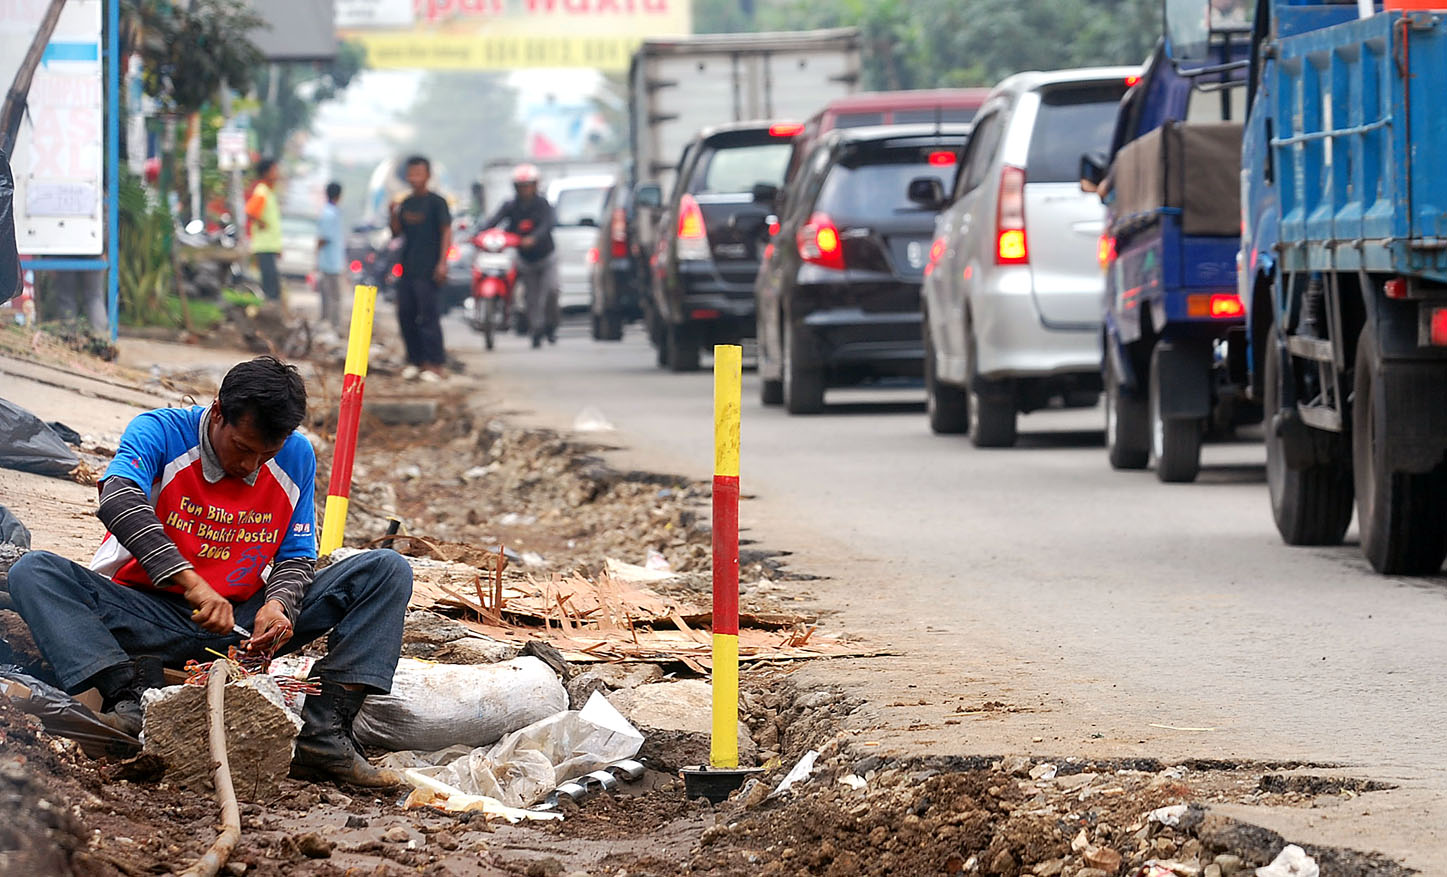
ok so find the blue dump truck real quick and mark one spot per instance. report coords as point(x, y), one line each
point(1344, 272)
point(1174, 329)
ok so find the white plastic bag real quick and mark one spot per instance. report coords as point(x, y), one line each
point(434, 706)
point(522, 768)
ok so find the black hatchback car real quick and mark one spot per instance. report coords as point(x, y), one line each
point(709, 237)
point(837, 298)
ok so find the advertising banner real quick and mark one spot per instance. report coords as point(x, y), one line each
point(508, 34)
point(59, 156)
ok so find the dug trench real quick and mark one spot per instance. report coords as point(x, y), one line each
point(468, 482)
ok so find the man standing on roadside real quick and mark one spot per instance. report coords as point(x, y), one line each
point(263, 208)
point(330, 256)
point(424, 223)
point(210, 522)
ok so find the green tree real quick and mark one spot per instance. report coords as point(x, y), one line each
point(289, 102)
point(189, 53)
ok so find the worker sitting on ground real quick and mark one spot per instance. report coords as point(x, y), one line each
point(211, 528)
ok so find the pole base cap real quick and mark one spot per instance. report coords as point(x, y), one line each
point(715, 783)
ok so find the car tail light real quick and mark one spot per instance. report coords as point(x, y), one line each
point(1105, 252)
point(785, 129)
point(1011, 248)
point(397, 270)
point(819, 242)
point(692, 233)
point(453, 253)
point(618, 232)
point(592, 255)
point(936, 250)
point(356, 266)
point(941, 158)
point(1130, 81)
point(1437, 327)
point(1396, 288)
point(704, 314)
point(1220, 306)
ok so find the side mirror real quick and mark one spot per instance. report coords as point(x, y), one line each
point(648, 195)
point(1093, 168)
point(927, 192)
point(765, 193)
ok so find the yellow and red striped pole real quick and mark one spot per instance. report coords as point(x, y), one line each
point(349, 418)
point(728, 373)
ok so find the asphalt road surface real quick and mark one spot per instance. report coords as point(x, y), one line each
point(1102, 613)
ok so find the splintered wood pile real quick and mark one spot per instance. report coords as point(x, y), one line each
point(612, 617)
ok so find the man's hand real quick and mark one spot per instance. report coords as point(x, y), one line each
point(439, 273)
point(527, 242)
point(209, 609)
point(271, 630)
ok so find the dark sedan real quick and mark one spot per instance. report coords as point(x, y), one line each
point(838, 296)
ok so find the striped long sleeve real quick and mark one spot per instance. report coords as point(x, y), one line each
point(130, 517)
point(288, 582)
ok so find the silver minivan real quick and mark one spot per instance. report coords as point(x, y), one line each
point(1013, 291)
point(578, 207)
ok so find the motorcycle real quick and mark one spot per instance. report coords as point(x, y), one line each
point(494, 275)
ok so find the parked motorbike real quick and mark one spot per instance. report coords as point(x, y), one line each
point(494, 276)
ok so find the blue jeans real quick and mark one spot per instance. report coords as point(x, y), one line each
point(84, 622)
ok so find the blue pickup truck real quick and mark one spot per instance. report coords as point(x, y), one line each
point(1174, 328)
point(1344, 273)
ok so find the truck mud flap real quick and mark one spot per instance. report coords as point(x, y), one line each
point(1184, 368)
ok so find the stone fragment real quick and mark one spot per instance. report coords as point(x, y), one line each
point(675, 719)
point(474, 650)
point(1230, 865)
point(610, 677)
point(397, 835)
point(1104, 858)
point(314, 846)
point(1091, 872)
point(259, 736)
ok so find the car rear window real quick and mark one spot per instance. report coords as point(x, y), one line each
point(858, 120)
point(737, 169)
point(929, 115)
point(870, 180)
point(1073, 120)
point(575, 205)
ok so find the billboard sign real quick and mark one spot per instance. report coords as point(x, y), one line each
point(59, 162)
point(508, 34)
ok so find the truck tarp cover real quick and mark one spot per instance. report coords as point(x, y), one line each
point(9, 258)
point(1194, 167)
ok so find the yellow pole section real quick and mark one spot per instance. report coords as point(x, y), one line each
point(349, 418)
point(727, 391)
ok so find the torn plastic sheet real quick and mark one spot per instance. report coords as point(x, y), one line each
point(522, 768)
point(65, 716)
point(798, 774)
point(27, 444)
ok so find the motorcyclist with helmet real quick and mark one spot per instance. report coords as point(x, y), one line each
point(529, 215)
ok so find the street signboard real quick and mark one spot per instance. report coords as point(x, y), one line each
point(59, 155)
point(508, 34)
point(232, 153)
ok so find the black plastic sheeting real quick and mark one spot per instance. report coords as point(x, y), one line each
point(12, 531)
point(27, 444)
point(65, 716)
point(9, 257)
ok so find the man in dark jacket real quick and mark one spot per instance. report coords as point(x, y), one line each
point(9, 256)
point(531, 216)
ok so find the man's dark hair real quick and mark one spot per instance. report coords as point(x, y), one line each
point(264, 166)
point(414, 160)
point(266, 390)
point(334, 191)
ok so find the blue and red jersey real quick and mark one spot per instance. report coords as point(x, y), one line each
point(230, 531)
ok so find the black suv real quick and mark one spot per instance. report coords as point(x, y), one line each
point(709, 237)
point(619, 261)
point(838, 296)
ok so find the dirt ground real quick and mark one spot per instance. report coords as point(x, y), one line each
point(472, 477)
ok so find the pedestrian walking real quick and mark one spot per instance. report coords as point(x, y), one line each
point(424, 223)
point(530, 215)
point(331, 257)
point(263, 208)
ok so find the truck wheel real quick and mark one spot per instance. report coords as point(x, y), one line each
point(1312, 505)
point(1402, 516)
point(803, 383)
point(948, 407)
point(1175, 442)
point(682, 348)
point(992, 410)
point(1127, 432)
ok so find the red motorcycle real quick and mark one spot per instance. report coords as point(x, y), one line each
point(494, 275)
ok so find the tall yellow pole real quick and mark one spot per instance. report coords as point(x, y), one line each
point(727, 391)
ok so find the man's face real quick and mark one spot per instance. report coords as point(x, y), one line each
point(417, 176)
point(272, 176)
point(241, 449)
point(526, 191)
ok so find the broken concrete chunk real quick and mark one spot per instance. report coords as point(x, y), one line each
point(259, 736)
point(610, 677)
point(475, 650)
point(675, 719)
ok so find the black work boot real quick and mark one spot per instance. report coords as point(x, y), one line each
point(121, 687)
point(326, 749)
